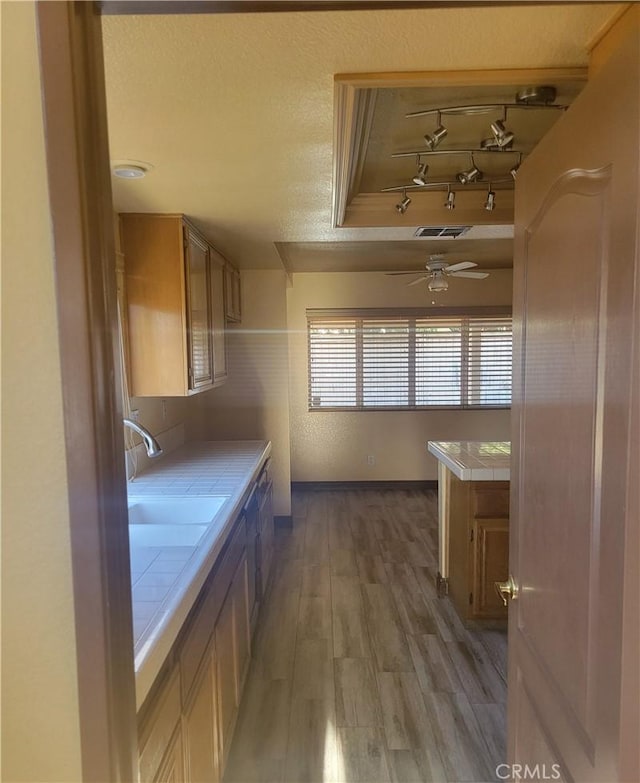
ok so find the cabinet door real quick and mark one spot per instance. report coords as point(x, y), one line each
point(266, 537)
point(225, 686)
point(218, 320)
point(232, 293)
point(172, 768)
point(200, 728)
point(241, 624)
point(198, 311)
point(490, 564)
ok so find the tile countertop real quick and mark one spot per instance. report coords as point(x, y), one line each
point(474, 460)
point(167, 580)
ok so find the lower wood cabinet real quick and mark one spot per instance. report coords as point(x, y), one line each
point(200, 726)
point(225, 674)
point(172, 768)
point(478, 547)
point(186, 724)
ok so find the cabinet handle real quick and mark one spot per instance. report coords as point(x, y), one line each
point(507, 590)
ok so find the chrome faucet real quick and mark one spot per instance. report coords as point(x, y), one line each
point(150, 443)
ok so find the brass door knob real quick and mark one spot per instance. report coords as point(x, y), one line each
point(507, 590)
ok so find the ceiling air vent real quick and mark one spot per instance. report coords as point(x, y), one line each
point(445, 232)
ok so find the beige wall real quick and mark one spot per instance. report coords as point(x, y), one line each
point(334, 446)
point(254, 403)
point(40, 724)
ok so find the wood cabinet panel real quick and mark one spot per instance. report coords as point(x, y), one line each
point(200, 728)
point(218, 320)
point(172, 768)
point(265, 537)
point(232, 293)
point(225, 675)
point(158, 726)
point(478, 547)
point(491, 564)
point(241, 625)
point(199, 332)
point(156, 295)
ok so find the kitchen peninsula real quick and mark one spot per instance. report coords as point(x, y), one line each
point(473, 524)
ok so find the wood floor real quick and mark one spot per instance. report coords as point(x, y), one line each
point(360, 673)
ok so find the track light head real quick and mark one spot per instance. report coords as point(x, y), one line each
point(403, 205)
point(490, 203)
point(502, 136)
point(470, 175)
point(421, 177)
point(432, 140)
point(450, 203)
point(438, 281)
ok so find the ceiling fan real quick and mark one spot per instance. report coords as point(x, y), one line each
point(438, 270)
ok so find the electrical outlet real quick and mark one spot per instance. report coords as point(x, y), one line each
point(371, 459)
point(134, 415)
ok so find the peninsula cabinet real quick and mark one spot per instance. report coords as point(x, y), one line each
point(478, 547)
point(175, 298)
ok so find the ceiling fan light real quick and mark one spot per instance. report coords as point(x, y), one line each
point(403, 205)
point(438, 282)
point(450, 203)
point(470, 175)
point(433, 139)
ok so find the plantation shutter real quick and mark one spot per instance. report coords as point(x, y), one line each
point(386, 360)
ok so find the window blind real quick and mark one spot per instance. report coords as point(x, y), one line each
point(387, 362)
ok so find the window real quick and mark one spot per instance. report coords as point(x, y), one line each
point(374, 360)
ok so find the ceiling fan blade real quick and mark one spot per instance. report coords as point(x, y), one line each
point(475, 275)
point(460, 266)
point(415, 272)
point(419, 280)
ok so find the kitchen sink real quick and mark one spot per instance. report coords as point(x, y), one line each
point(173, 510)
point(165, 535)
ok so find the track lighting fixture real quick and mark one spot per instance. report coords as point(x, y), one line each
point(470, 175)
point(490, 203)
point(421, 177)
point(433, 139)
point(404, 204)
point(499, 141)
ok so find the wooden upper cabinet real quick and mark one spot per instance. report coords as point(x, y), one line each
point(232, 293)
point(199, 332)
point(174, 306)
point(218, 320)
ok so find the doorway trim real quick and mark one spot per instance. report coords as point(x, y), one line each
point(74, 110)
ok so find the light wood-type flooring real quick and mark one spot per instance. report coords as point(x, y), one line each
point(361, 674)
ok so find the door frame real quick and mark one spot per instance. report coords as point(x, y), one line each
point(78, 171)
point(74, 107)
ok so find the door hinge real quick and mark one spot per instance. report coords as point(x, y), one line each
point(470, 599)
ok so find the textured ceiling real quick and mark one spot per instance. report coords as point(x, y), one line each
point(235, 111)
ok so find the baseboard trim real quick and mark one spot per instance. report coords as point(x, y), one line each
point(283, 521)
point(319, 486)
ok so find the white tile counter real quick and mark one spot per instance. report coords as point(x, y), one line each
point(474, 460)
point(166, 580)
